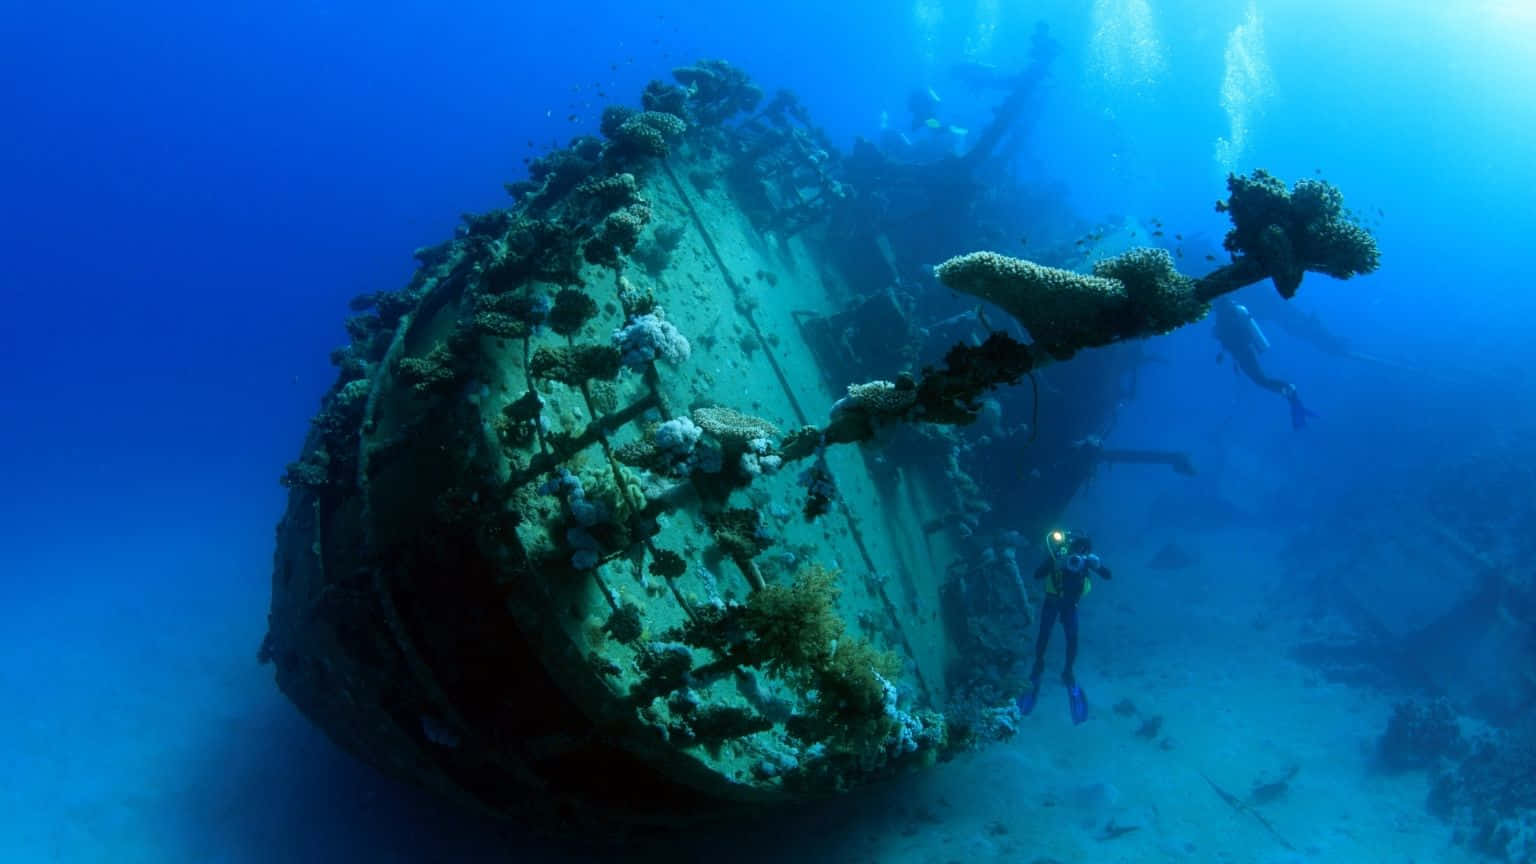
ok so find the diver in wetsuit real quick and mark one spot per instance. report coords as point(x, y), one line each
point(1065, 571)
point(1241, 337)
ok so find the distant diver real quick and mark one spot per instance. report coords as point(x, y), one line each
point(1068, 564)
point(929, 138)
point(1240, 336)
point(923, 108)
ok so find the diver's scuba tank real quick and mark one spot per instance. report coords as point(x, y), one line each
point(1259, 339)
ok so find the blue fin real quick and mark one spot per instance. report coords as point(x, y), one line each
point(1299, 413)
point(1077, 701)
point(1026, 700)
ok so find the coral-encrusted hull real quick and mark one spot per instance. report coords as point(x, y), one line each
point(543, 549)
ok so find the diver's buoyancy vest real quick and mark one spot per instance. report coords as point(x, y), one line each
point(1067, 584)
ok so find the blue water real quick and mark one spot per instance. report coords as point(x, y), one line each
point(193, 191)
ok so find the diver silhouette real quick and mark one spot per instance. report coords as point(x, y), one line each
point(1240, 336)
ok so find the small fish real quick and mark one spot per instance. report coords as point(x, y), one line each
point(1157, 233)
point(1317, 170)
point(1023, 241)
point(1178, 236)
point(1081, 241)
point(1379, 213)
point(1178, 253)
point(1210, 257)
point(573, 118)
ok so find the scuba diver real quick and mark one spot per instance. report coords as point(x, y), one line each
point(1241, 337)
point(1065, 570)
point(929, 139)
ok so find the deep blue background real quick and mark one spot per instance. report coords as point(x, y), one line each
point(192, 192)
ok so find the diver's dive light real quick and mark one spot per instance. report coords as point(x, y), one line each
point(1054, 541)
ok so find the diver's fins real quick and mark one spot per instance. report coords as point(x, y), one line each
point(1299, 412)
point(1077, 701)
point(1026, 700)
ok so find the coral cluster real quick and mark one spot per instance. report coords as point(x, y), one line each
point(655, 254)
point(664, 667)
point(1420, 735)
point(575, 364)
point(747, 444)
point(1486, 788)
point(1164, 299)
point(1291, 232)
point(650, 337)
point(636, 300)
point(679, 451)
point(676, 438)
point(437, 372)
point(668, 564)
point(572, 310)
point(733, 429)
point(625, 623)
point(521, 420)
point(794, 632)
point(617, 234)
point(534, 249)
point(759, 458)
point(820, 489)
point(739, 532)
point(611, 192)
point(333, 459)
point(716, 90)
point(585, 513)
point(515, 314)
point(641, 133)
point(551, 176)
point(795, 626)
point(1138, 293)
point(659, 96)
point(672, 448)
point(879, 398)
point(1062, 310)
point(1491, 796)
